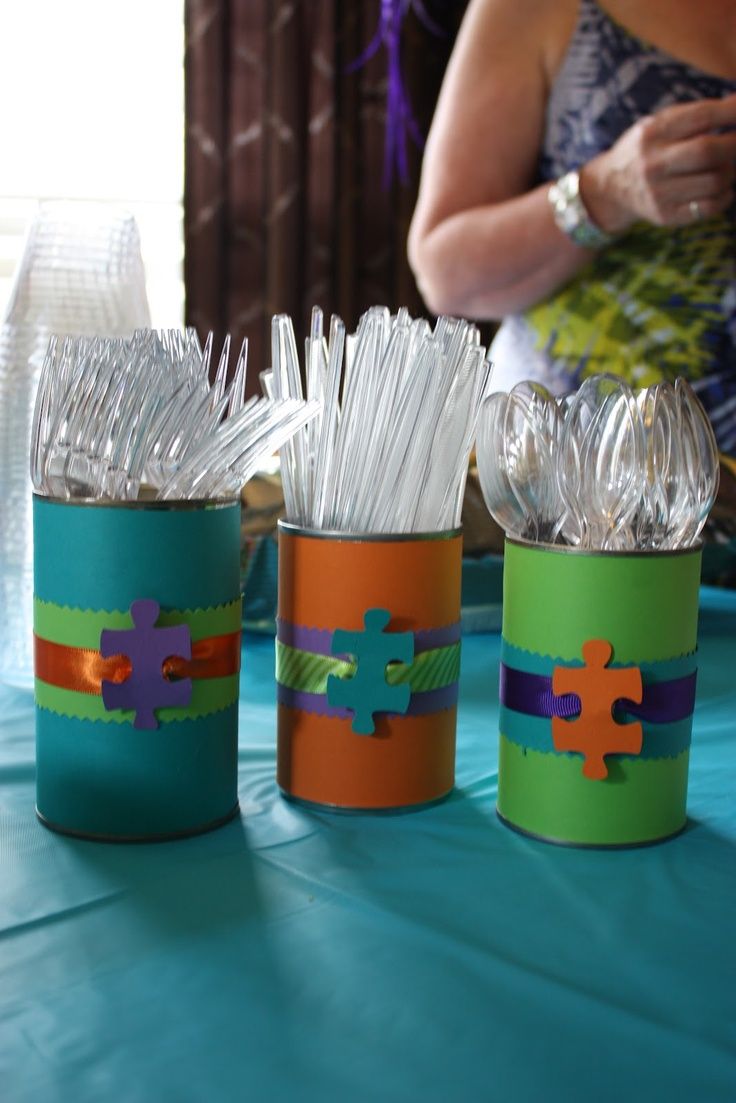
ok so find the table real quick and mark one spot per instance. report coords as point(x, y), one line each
point(430, 956)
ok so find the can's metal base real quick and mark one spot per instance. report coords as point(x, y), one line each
point(164, 838)
point(397, 810)
point(587, 846)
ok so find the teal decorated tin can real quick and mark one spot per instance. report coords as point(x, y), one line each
point(137, 618)
point(597, 691)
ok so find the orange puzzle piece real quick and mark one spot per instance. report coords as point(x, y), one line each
point(595, 733)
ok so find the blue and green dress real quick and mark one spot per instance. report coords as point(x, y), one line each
point(658, 302)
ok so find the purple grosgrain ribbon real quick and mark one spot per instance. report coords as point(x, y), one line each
point(662, 702)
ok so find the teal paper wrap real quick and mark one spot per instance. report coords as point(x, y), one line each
point(101, 777)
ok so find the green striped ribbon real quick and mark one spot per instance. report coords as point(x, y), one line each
point(208, 696)
point(307, 672)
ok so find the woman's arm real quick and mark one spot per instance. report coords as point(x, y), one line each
point(483, 240)
point(481, 243)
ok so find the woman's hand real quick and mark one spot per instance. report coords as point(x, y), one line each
point(670, 169)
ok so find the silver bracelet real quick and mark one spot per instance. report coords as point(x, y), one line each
point(571, 215)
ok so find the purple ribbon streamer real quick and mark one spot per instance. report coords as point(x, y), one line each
point(662, 702)
point(400, 119)
point(420, 704)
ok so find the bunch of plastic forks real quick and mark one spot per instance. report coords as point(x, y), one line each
point(115, 416)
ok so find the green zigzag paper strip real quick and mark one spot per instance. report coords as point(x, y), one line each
point(308, 672)
point(209, 695)
point(663, 670)
point(82, 627)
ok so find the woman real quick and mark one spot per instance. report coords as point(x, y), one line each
point(578, 183)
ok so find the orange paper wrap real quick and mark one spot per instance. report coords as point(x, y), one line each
point(328, 582)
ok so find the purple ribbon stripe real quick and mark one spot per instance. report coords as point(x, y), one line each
point(319, 640)
point(420, 704)
point(662, 702)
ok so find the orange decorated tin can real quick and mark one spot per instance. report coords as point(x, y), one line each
point(367, 667)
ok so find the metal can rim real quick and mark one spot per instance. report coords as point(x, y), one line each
point(290, 529)
point(571, 549)
point(143, 504)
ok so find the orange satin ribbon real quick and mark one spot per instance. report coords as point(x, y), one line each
point(83, 670)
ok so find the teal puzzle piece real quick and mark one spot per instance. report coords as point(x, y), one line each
point(367, 691)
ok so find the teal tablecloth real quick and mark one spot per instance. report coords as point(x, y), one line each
point(433, 956)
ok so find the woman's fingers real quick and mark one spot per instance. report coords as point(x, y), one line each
point(670, 204)
point(699, 154)
point(690, 173)
point(686, 173)
point(686, 120)
point(699, 185)
point(698, 209)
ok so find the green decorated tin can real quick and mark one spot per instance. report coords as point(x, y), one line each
point(597, 690)
point(137, 615)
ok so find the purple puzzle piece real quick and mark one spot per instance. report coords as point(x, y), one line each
point(147, 647)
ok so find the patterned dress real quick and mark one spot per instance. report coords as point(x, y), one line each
point(658, 302)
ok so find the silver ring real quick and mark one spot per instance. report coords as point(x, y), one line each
point(695, 210)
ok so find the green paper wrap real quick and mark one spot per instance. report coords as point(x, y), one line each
point(646, 606)
point(98, 775)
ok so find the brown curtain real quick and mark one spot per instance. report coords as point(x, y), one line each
point(284, 204)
